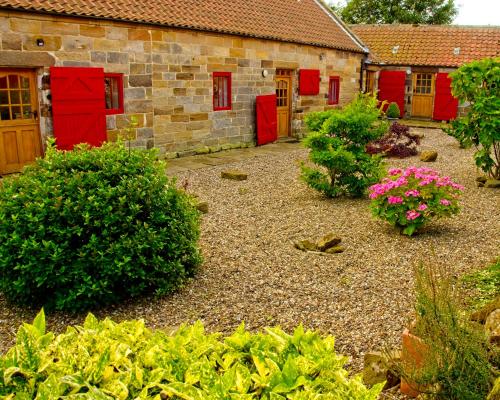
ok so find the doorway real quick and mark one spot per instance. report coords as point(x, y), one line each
point(283, 100)
point(20, 141)
point(423, 95)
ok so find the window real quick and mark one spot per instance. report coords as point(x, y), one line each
point(113, 93)
point(309, 82)
point(370, 82)
point(222, 90)
point(423, 83)
point(333, 90)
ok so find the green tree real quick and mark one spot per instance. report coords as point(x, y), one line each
point(433, 12)
point(478, 84)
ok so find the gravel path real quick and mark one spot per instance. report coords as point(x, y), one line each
point(252, 273)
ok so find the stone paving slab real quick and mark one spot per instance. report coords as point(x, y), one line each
point(183, 164)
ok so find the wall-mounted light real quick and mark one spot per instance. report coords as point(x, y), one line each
point(265, 73)
point(408, 71)
point(322, 56)
point(40, 42)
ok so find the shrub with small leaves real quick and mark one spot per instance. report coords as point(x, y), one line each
point(393, 111)
point(410, 198)
point(398, 142)
point(94, 226)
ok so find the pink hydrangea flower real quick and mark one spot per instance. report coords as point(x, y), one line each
point(414, 193)
point(395, 200)
point(394, 171)
point(412, 214)
point(422, 207)
point(445, 202)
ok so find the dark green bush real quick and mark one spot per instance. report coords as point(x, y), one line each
point(94, 226)
point(338, 142)
point(393, 110)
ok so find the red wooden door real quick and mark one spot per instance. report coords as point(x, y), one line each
point(445, 105)
point(267, 122)
point(391, 85)
point(78, 106)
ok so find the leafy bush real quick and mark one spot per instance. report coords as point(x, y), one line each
point(398, 142)
point(485, 284)
point(478, 83)
point(455, 360)
point(105, 360)
point(94, 226)
point(393, 110)
point(337, 144)
point(410, 198)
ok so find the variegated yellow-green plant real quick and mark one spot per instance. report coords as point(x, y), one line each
point(106, 360)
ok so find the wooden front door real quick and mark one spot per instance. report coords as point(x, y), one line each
point(423, 95)
point(283, 100)
point(20, 141)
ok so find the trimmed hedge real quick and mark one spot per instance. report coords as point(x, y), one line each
point(104, 360)
point(94, 226)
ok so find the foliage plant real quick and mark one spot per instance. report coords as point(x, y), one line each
point(455, 361)
point(485, 284)
point(393, 110)
point(397, 142)
point(408, 199)
point(94, 226)
point(337, 141)
point(478, 84)
point(105, 360)
point(429, 12)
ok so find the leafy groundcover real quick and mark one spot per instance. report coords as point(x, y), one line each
point(106, 360)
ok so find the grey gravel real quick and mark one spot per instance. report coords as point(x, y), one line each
point(253, 273)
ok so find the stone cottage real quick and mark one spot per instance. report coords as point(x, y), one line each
point(181, 76)
point(410, 64)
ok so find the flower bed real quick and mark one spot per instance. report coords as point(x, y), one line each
point(410, 198)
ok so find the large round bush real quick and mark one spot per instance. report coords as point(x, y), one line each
point(94, 226)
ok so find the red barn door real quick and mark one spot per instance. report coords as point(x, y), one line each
point(267, 122)
point(78, 106)
point(445, 105)
point(391, 85)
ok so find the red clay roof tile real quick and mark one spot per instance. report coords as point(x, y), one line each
point(299, 21)
point(431, 45)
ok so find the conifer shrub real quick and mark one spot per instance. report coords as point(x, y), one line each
point(393, 110)
point(338, 140)
point(94, 226)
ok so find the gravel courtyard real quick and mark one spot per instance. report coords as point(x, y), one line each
point(253, 273)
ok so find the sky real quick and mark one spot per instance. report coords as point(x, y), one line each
point(478, 12)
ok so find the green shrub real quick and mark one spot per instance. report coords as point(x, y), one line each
point(478, 83)
point(393, 110)
point(94, 226)
point(455, 362)
point(337, 141)
point(105, 360)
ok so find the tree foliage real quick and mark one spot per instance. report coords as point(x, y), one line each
point(478, 84)
point(397, 11)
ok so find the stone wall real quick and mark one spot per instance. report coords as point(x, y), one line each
point(168, 76)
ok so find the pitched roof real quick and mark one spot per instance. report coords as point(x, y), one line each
point(432, 45)
point(300, 21)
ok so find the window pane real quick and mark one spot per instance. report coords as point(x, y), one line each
point(114, 93)
point(13, 81)
point(15, 97)
point(27, 112)
point(25, 82)
point(4, 97)
point(4, 113)
point(25, 97)
point(16, 112)
point(3, 82)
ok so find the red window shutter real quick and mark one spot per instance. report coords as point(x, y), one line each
point(78, 106)
point(391, 85)
point(309, 82)
point(222, 91)
point(445, 105)
point(334, 90)
point(267, 119)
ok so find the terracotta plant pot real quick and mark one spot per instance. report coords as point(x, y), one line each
point(412, 356)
